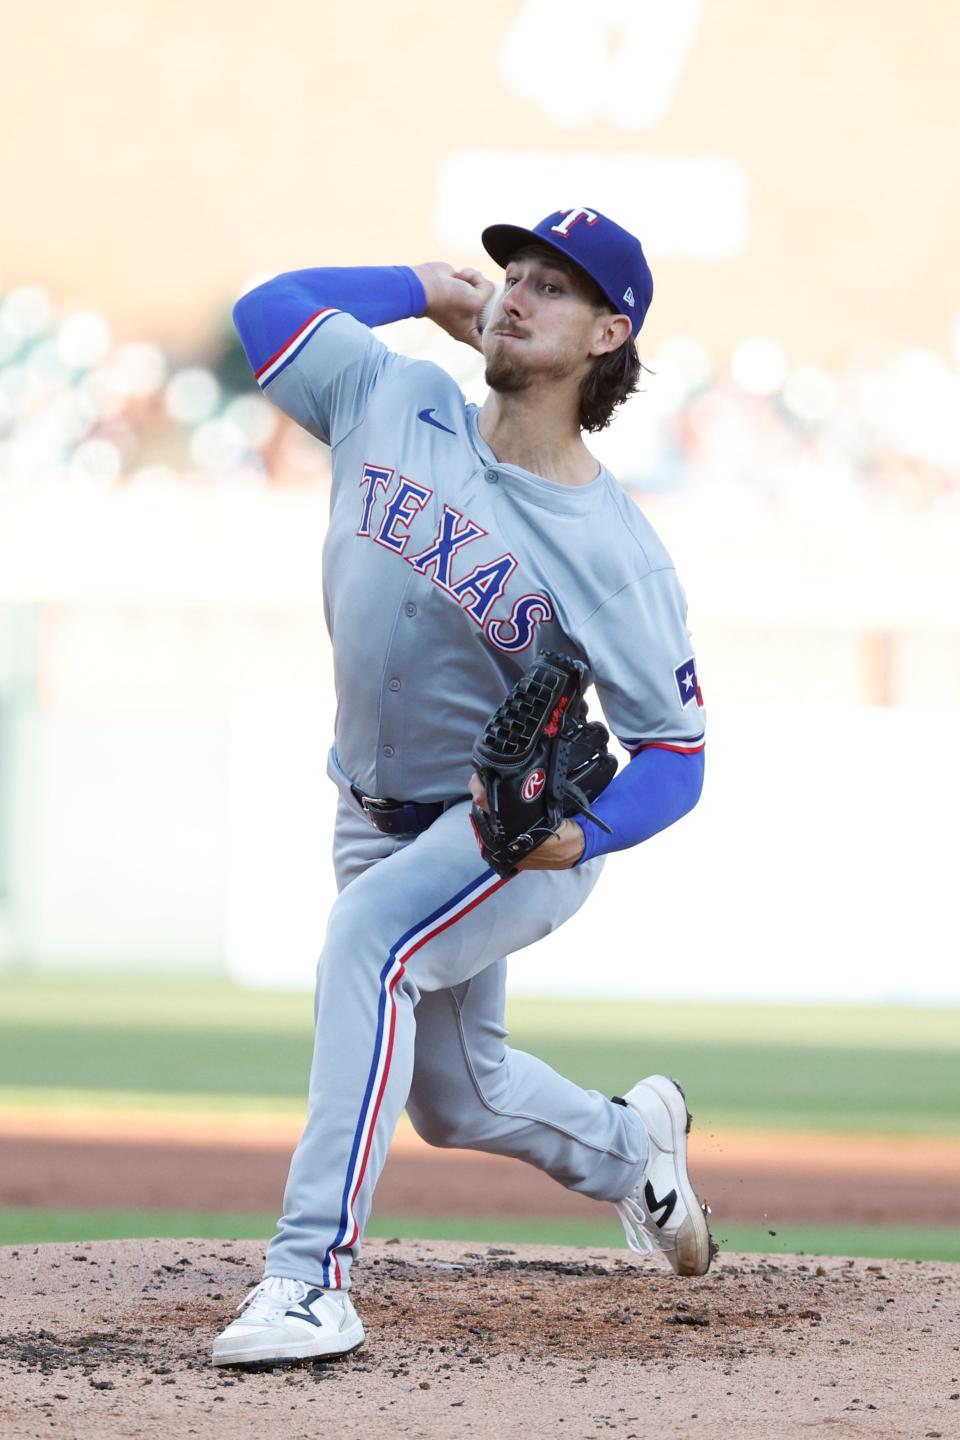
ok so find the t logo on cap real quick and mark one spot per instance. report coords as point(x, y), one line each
point(610, 255)
point(573, 217)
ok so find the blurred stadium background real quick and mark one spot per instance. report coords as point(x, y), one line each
point(165, 703)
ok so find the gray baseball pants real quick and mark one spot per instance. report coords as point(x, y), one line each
point(409, 1012)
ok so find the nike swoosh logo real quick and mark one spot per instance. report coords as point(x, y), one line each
point(427, 415)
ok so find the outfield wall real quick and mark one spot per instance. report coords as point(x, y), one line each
point(815, 866)
point(164, 807)
point(191, 845)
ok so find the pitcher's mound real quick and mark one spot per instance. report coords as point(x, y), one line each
point(113, 1339)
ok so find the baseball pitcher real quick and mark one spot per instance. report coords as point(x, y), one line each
point(479, 570)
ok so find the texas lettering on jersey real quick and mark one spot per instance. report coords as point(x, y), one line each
point(478, 590)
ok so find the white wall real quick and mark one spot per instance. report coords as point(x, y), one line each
point(279, 878)
point(821, 861)
point(820, 864)
point(128, 865)
point(169, 809)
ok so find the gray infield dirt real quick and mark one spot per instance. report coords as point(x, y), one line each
point(113, 1339)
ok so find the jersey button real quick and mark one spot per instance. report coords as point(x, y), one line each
point(410, 608)
point(490, 476)
point(389, 751)
point(394, 684)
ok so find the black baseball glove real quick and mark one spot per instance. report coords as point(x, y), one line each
point(539, 760)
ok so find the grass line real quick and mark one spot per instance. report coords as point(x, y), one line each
point(78, 1099)
point(120, 1046)
point(34, 1227)
point(78, 1104)
point(183, 1005)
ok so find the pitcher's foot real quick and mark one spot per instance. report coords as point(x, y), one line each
point(662, 1211)
point(285, 1320)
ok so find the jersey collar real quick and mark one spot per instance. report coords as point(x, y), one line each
point(537, 489)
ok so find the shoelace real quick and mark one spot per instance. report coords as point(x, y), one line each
point(634, 1220)
point(268, 1300)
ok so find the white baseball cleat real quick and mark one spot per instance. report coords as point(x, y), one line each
point(662, 1212)
point(289, 1320)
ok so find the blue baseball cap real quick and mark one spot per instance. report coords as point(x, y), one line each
point(610, 255)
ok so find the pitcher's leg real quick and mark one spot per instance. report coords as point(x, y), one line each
point(354, 1003)
point(472, 1090)
point(426, 917)
point(359, 1078)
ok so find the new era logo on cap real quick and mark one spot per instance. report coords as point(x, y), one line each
point(610, 255)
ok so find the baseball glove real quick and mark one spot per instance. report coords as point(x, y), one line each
point(539, 760)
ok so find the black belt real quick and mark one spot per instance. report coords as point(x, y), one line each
point(400, 817)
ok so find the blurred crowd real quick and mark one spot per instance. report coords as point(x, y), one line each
point(77, 405)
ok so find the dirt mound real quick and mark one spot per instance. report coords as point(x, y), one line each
point(113, 1338)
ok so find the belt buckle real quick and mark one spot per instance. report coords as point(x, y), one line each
point(378, 804)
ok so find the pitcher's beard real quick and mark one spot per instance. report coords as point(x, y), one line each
point(505, 377)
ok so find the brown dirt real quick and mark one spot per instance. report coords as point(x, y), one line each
point(772, 1180)
point(768, 1150)
point(113, 1338)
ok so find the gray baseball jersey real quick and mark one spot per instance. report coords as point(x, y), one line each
point(446, 570)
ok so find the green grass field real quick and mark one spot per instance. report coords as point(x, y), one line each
point(882, 1070)
point(35, 1227)
point(104, 1042)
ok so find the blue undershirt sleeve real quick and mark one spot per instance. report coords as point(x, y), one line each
point(654, 790)
point(268, 317)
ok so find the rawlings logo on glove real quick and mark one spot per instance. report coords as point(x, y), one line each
point(539, 760)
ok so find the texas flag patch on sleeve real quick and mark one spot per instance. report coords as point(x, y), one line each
point(688, 686)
